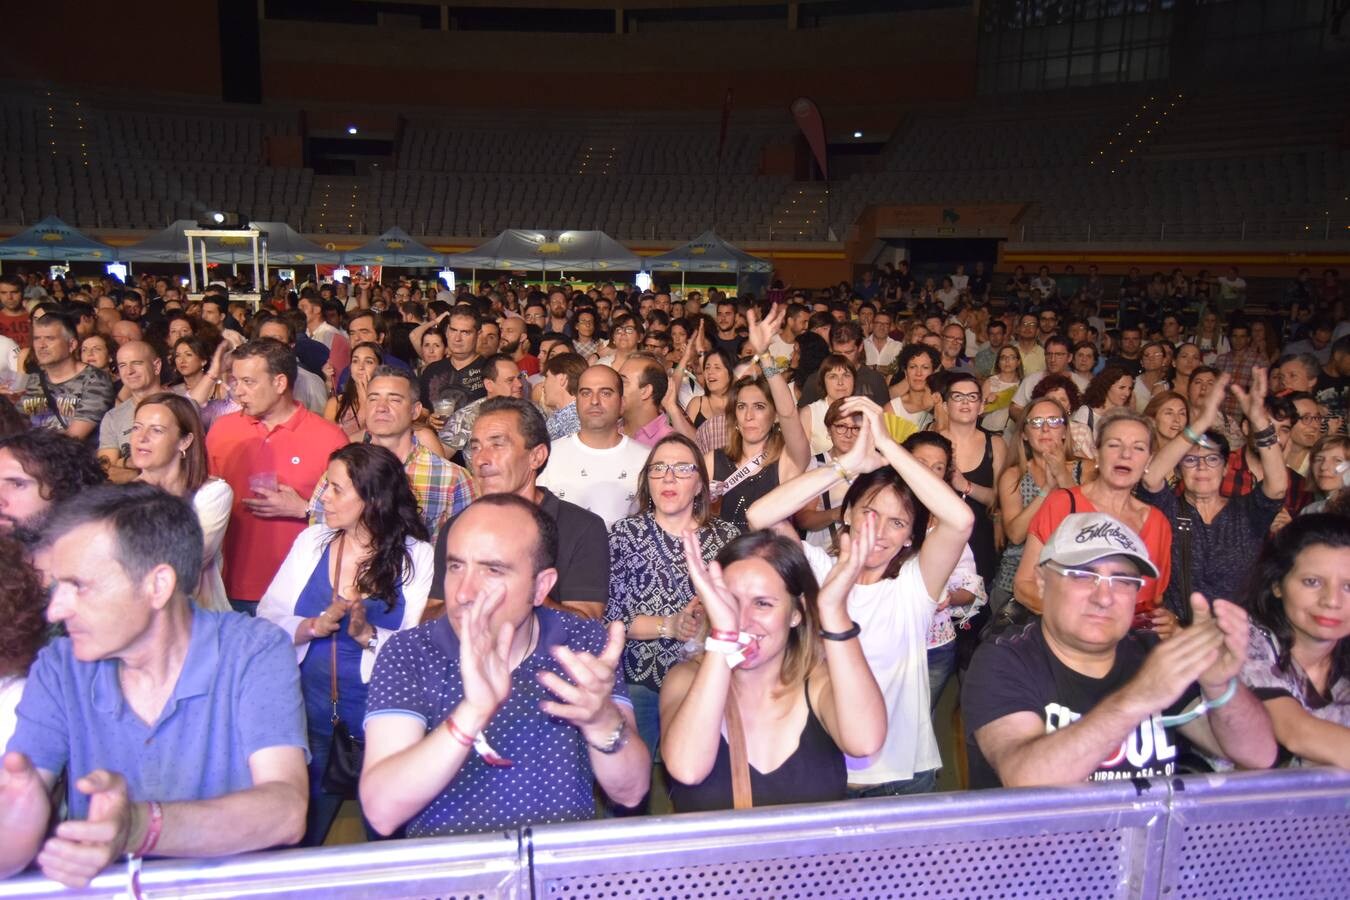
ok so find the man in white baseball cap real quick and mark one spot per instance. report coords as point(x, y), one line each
point(1077, 696)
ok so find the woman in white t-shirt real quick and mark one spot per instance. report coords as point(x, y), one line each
point(168, 445)
point(23, 629)
point(897, 593)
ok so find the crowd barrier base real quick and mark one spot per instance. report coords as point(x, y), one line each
point(1243, 835)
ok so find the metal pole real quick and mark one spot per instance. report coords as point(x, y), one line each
point(192, 269)
point(206, 274)
point(1326, 230)
point(1162, 232)
point(1244, 230)
point(257, 285)
point(1089, 232)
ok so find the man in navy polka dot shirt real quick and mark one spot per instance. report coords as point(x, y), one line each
point(503, 712)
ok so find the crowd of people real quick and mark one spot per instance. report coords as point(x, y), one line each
point(521, 554)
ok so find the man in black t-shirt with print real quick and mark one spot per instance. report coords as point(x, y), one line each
point(1077, 696)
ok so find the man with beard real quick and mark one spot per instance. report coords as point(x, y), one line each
point(39, 469)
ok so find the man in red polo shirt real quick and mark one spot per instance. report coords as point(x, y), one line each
point(272, 453)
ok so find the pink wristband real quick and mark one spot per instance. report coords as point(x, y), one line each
point(459, 734)
point(153, 829)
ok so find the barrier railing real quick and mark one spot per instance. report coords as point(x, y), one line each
point(1268, 834)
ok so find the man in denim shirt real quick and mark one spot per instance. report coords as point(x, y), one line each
point(182, 730)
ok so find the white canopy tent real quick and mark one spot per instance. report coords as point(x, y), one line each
point(516, 248)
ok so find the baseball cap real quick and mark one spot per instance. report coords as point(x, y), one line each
point(1083, 538)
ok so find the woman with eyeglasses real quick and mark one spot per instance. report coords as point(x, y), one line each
point(587, 339)
point(1043, 464)
point(1124, 451)
point(624, 338)
point(977, 458)
point(649, 586)
point(822, 519)
point(837, 376)
point(1216, 537)
point(1298, 658)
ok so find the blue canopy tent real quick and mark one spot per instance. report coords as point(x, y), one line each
point(393, 248)
point(53, 239)
point(580, 251)
point(284, 246)
point(709, 253)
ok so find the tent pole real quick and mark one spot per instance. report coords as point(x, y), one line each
point(192, 268)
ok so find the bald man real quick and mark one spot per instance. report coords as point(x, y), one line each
point(139, 368)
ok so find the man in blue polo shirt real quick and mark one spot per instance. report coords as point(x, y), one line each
point(182, 730)
point(503, 712)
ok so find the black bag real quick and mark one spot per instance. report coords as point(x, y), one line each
point(345, 753)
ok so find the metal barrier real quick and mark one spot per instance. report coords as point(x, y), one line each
point(1268, 834)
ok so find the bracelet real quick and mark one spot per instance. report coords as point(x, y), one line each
point(663, 630)
point(843, 473)
point(459, 734)
point(1199, 439)
point(616, 740)
point(1200, 708)
point(770, 371)
point(152, 829)
point(842, 635)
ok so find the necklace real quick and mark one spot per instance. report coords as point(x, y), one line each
point(529, 644)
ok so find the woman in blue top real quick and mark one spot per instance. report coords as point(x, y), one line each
point(374, 548)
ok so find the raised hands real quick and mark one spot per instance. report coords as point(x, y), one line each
point(854, 548)
point(484, 654)
point(1231, 621)
point(1253, 402)
point(875, 424)
point(1209, 409)
point(1211, 650)
point(718, 602)
point(762, 331)
point(584, 697)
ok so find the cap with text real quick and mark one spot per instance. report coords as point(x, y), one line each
point(1084, 538)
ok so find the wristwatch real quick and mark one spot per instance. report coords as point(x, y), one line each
point(616, 740)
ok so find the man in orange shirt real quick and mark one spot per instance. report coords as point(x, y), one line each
point(272, 453)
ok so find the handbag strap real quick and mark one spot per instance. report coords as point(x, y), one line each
point(741, 797)
point(51, 399)
point(1184, 525)
point(332, 669)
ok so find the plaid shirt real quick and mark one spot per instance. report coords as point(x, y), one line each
point(1239, 479)
point(442, 488)
point(1238, 364)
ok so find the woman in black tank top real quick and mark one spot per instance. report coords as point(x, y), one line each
point(794, 689)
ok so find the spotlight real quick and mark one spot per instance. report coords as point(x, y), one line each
point(222, 219)
point(351, 129)
point(857, 134)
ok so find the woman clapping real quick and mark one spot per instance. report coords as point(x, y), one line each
point(792, 703)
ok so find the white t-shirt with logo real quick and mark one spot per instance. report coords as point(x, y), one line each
point(602, 481)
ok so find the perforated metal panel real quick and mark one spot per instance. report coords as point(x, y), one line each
point(1295, 856)
point(1078, 865)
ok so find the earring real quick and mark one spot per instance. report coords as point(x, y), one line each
point(182, 452)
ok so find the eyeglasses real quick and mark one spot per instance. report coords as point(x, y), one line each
point(1039, 422)
point(657, 471)
point(625, 329)
point(1211, 461)
point(845, 428)
point(1085, 579)
point(1313, 419)
point(959, 397)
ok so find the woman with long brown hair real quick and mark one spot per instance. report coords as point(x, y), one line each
point(765, 442)
point(168, 445)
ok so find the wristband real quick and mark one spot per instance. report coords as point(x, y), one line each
point(152, 828)
point(460, 735)
point(479, 744)
point(734, 646)
point(842, 635)
point(663, 629)
point(1200, 708)
point(843, 473)
point(1198, 439)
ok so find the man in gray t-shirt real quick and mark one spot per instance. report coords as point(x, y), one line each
point(138, 366)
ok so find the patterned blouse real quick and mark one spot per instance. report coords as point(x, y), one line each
point(648, 577)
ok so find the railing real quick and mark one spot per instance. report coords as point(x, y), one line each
point(1267, 834)
point(1327, 227)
